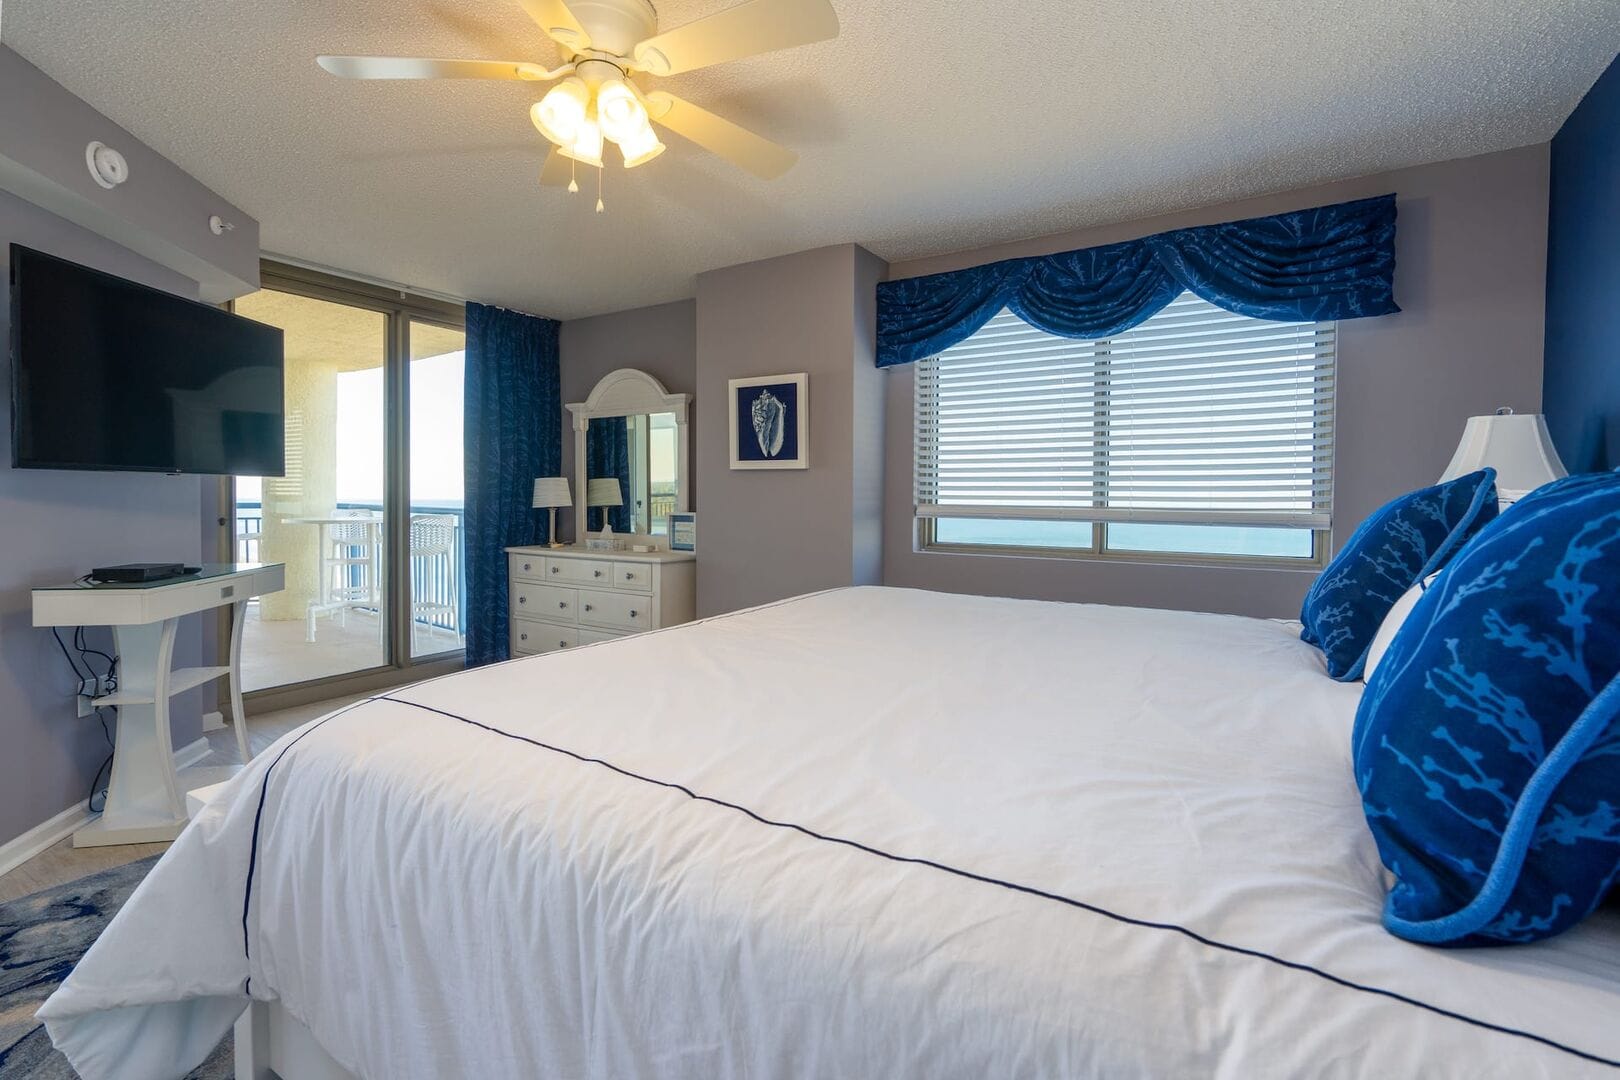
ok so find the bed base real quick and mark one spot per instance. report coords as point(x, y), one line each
point(273, 1044)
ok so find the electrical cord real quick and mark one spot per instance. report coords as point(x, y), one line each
point(88, 678)
point(84, 650)
point(67, 655)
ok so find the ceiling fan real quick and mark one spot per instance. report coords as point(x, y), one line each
point(608, 46)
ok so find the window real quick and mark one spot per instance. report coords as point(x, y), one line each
point(1198, 434)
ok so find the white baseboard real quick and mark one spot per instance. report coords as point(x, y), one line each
point(191, 753)
point(213, 721)
point(13, 853)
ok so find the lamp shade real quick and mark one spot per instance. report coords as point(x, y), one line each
point(1517, 446)
point(603, 492)
point(552, 491)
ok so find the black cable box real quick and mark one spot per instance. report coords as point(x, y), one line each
point(139, 571)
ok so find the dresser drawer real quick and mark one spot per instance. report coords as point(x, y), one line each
point(530, 638)
point(543, 602)
point(591, 637)
point(526, 567)
point(618, 611)
point(579, 571)
point(637, 577)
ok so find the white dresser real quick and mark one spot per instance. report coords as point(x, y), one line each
point(563, 597)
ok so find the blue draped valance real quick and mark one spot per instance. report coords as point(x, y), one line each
point(1332, 262)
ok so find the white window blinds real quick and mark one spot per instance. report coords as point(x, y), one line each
point(1197, 416)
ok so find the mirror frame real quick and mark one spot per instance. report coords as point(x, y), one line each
point(628, 392)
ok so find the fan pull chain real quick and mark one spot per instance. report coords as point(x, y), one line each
point(599, 204)
point(573, 184)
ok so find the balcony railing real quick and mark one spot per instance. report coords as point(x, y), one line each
point(437, 585)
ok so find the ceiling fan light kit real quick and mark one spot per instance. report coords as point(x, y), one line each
point(606, 44)
point(593, 104)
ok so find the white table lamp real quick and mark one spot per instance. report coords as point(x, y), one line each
point(551, 492)
point(604, 492)
point(1516, 445)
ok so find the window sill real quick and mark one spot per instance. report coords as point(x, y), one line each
point(1310, 566)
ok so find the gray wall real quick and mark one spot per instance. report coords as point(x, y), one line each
point(766, 534)
point(56, 525)
point(1471, 250)
point(160, 212)
point(660, 340)
point(866, 426)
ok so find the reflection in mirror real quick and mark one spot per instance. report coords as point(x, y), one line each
point(640, 452)
point(607, 456)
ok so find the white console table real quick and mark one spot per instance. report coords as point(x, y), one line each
point(146, 794)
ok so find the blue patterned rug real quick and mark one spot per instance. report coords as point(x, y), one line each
point(41, 937)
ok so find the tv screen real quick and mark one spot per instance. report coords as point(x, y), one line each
point(108, 374)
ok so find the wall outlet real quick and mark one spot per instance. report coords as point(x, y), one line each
point(91, 688)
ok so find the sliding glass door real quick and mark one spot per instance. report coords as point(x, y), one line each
point(368, 518)
point(438, 597)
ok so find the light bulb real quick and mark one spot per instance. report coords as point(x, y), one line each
point(586, 147)
point(640, 146)
point(619, 111)
point(559, 115)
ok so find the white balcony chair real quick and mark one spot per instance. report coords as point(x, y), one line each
point(433, 560)
point(346, 548)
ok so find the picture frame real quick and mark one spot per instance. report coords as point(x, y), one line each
point(683, 532)
point(770, 422)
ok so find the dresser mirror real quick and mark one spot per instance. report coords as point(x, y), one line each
point(630, 458)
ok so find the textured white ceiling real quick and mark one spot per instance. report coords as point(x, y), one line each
point(927, 126)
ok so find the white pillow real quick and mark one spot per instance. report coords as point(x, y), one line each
point(1392, 624)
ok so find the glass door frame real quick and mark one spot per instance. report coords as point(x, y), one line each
point(400, 308)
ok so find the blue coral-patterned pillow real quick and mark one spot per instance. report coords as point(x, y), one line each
point(1487, 744)
point(1400, 544)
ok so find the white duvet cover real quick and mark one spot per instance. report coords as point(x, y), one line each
point(868, 833)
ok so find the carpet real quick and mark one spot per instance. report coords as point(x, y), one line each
point(41, 937)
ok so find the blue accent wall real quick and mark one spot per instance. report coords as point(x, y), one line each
point(1581, 395)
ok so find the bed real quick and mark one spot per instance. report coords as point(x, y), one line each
point(864, 833)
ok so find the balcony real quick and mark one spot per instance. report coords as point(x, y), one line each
point(339, 629)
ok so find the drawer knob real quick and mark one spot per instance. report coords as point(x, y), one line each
point(523, 637)
point(554, 569)
point(525, 566)
point(596, 573)
point(632, 613)
point(562, 603)
point(629, 575)
point(523, 599)
point(562, 644)
point(587, 607)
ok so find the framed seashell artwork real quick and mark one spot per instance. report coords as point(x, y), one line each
point(770, 422)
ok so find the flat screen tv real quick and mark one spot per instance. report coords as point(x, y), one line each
point(108, 374)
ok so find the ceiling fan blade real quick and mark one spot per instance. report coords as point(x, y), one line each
point(751, 28)
point(421, 67)
point(557, 171)
point(720, 136)
point(558, 22)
